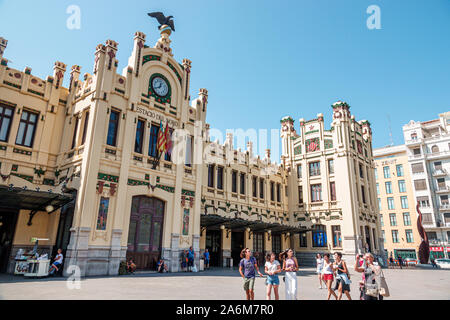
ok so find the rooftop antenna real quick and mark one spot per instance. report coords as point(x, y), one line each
point(390, 130)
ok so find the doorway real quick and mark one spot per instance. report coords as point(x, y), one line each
point(258, 248)
point(145, 232)
point(276, 244)
point(64, 225)
point(8, 220)
point(213, 244)
point(237, 245)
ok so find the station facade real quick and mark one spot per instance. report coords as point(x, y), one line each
point(80, 170)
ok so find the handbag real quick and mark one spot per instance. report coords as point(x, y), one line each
point(384, 290)
point(371, 290)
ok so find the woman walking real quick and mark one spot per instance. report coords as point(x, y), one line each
point(371, 272)
point(342, 278)
point(272, 269)
point(328, 275)
point(290, 266)
point(319, 267)
point(248, 268)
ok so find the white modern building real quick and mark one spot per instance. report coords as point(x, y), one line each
point(428, 148)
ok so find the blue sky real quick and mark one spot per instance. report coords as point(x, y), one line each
point(262, 60)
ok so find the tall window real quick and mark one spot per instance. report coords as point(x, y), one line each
point(189, 150)
point(375, 240)
point(331, 166)
point(376, 174)
point(363, 194)
point(361, 171)
point(254, 186)
point(404, 201)
point(85, 127)
point(393, 219)
point(242, 187)
point(395, 236)
point(261, 188)
point(234, 181)
point(333, 191)
point(278, 192)
point(390, 202)
point(299, 171)
point(220, 178)
point(383, 234)
point(417, 167)
point(27, 129)
point(167, 156)
point(139, 141)
point(319, 236)
point(314, 168)
point(111, 139)
point(272, 191)
point(401, 186)
point(300, 194)
point(406, 219)
point(316, 193)
point(400, 172)
point(388, 187)
point(409, 236)
point(6, 116)
point(381, 220)
point(211, 168)
point(379, 204)
point(75, 131)
point(337, 241)
point(152, 148)
point(378, 189)
point(386, 172)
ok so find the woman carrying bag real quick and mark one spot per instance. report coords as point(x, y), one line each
point(373, 287)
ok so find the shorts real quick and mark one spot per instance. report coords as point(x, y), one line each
point(206, 261)
point(273, 280)
point(249, 284)
point(345, 286)
point(57, 264)
point(190, 262)
point(327, 277)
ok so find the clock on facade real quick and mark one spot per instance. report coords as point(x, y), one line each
point(160, 86)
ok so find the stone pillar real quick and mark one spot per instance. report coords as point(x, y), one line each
point(115, 252)
point(77, 250)
point(226, 246)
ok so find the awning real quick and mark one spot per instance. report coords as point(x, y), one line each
point(214, 221)
point(20, 198)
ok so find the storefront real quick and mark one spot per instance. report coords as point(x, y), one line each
point(437, 253)
point(405, 253)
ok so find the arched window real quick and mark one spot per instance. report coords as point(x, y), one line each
point(435, 149)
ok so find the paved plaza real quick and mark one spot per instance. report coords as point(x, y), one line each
point(218, 284)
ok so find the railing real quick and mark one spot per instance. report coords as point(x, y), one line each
point(440, 172)
point(413, 141)
point(443, 189)
point(444, 206)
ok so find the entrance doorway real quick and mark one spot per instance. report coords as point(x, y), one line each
point(145, 232)
point(63, 235)
point(258, 247)
point(237, 245)
point(367, 233)
point(276, 244)
point(213, 244)
point(8, 220)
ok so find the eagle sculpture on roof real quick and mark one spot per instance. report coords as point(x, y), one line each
point(162, 19)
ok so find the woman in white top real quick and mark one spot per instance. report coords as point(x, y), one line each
point(290, 265)
point(272, 269)
point(328, 274)
point(319, 267)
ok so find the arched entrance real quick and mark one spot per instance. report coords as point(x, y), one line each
point(145, 232)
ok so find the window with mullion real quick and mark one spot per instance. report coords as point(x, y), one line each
point(138, 143)
point(261, 188)
point(254, 186)
point(272, 191)
point(152, 147)
point(242, 183)
point(316, 193)
point(111, 139)
point(234, 181)
point(86, 123)
point(211, 168)
point(27, 129)
point(6, 117)
point(220, 178)
point(75, 131)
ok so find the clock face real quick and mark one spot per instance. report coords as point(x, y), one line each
point(160, 86)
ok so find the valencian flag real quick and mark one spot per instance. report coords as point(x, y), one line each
point(161, 142)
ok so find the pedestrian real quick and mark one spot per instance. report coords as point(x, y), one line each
point(433, 263)
point(290, 266)
point(391, 261)
point(272, 269)
point(342, 277)
point(328, 275)
point(319, 268)
point(161, 267)
point(57, 263)
point(371, 271)
point(206, 256)
point(184, 260)
point(360, 262)
point(248, 268)
point(191, 256)
point(400, 261)
point(131, 266)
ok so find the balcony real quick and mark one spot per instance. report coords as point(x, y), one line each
point(414, 142)
point(444, 207)
point(443, 189)
point(437, 155)
point(439, 173)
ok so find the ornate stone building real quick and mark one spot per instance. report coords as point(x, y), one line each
point(80, 169)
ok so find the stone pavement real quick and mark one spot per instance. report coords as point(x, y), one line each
point(215, 284)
